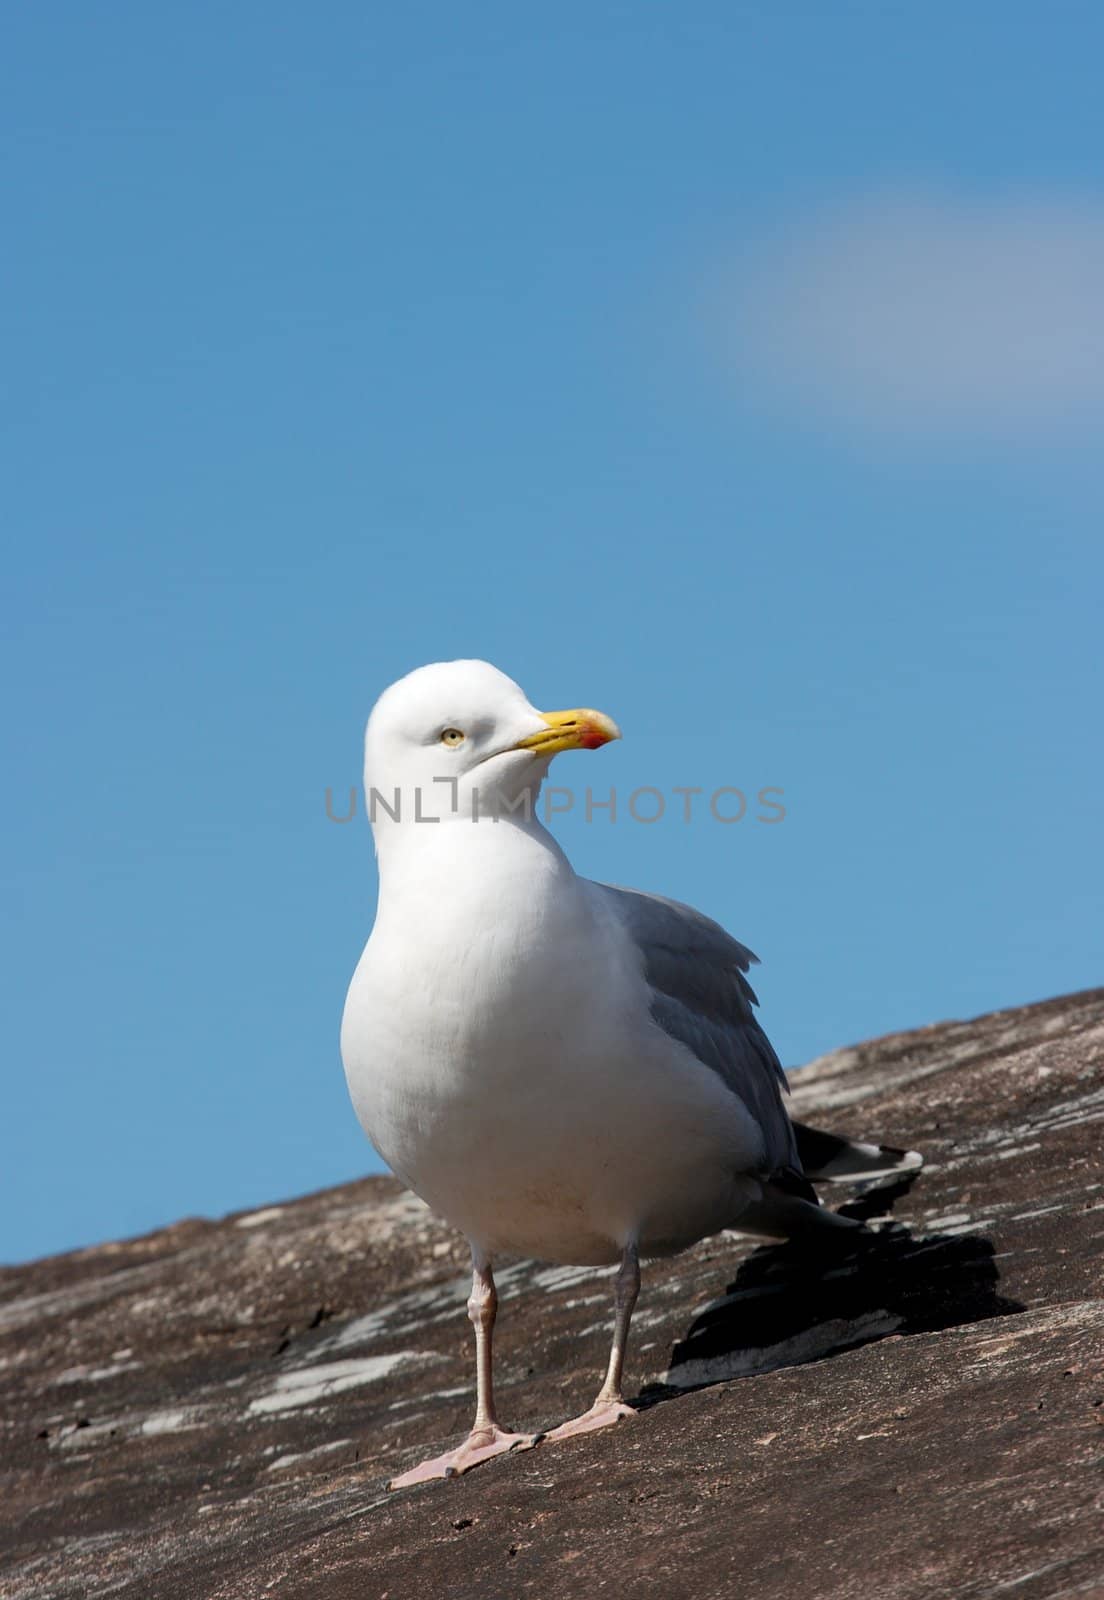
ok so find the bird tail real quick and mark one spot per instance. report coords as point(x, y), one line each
point(828, 1158)
point(788, 1206)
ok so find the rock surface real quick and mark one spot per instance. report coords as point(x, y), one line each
point(211, 1412)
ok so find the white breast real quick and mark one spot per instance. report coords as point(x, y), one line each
point(500, 1055)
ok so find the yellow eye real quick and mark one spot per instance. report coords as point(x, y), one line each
point(452, 737)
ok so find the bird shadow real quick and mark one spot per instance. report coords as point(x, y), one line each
point(794, 1303)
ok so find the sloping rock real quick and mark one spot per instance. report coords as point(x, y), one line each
point(211, 1412)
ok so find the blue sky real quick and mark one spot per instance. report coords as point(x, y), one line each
point(738, 369)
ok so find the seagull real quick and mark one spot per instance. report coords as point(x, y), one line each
point(562, 1069)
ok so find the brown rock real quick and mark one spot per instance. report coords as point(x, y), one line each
point(212, 1411)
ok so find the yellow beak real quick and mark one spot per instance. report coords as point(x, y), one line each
point(571, 730)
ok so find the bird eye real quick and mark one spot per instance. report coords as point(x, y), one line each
point(452, 737)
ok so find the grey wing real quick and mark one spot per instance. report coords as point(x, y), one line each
point(701, 996)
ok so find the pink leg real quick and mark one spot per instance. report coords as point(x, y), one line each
point(486, 1438)
point(609, 1405)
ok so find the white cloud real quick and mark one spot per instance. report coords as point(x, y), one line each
point(920, 316)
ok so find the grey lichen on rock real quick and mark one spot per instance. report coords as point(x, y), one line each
point(212, 1411)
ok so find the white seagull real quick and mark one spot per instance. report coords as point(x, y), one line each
point(562, 1069)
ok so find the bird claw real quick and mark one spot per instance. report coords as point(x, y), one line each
point(602, 1414)
point(482, 1444)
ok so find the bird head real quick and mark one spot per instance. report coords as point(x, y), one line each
point(459, 740)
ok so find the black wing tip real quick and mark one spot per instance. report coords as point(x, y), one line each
point(904, 1160)
point(827, 1157)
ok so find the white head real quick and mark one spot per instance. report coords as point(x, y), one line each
point(459, 740)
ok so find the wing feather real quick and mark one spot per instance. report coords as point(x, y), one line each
point(701, 997)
